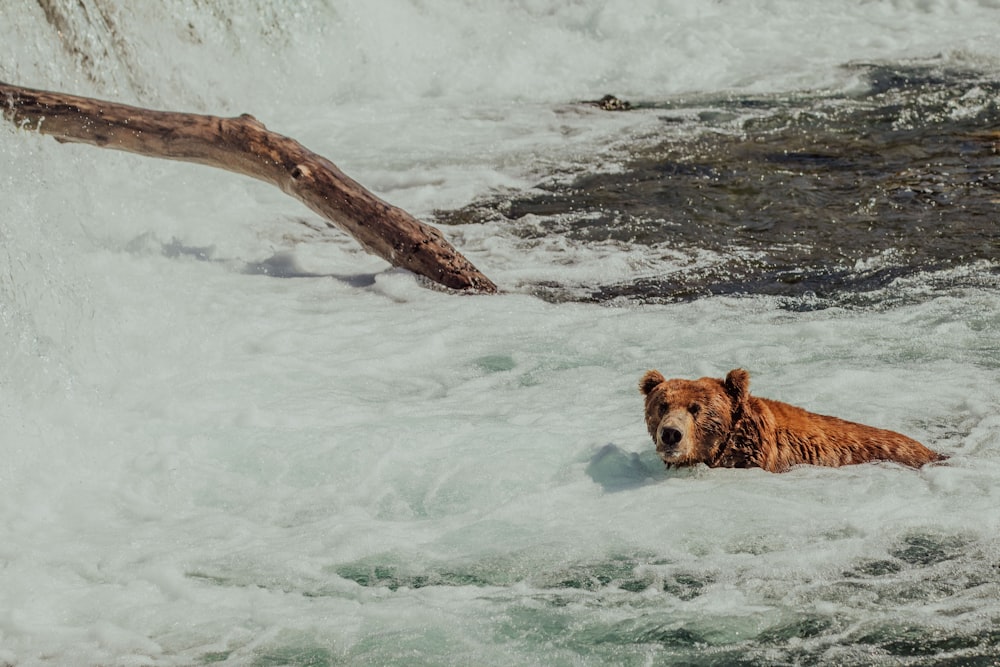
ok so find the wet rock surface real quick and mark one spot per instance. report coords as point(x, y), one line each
point(819, 196)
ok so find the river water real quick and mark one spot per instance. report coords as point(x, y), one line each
point(231, 438)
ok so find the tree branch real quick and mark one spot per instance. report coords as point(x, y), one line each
point(245, 146)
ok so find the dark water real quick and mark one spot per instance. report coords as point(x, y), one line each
point(829, 197)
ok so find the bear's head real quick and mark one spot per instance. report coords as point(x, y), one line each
point(690, 420)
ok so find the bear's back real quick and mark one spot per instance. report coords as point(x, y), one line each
point(803, 437)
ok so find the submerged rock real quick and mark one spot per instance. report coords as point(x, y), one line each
point(610, 103)
point(816, 198)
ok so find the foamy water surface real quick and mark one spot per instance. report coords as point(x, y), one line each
point(228, 439)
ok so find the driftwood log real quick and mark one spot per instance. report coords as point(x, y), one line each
point(245, 146)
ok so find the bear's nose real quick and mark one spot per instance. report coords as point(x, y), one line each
point(670, 436)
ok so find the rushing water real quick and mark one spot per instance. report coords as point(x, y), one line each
point(227, 438)
point(827, 195)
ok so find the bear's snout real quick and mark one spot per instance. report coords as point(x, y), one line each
point(670, 441)
point(669, 438)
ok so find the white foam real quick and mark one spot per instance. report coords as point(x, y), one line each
point(468, 96)
point(197, 462)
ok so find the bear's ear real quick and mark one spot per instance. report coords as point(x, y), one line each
point(650, 381)
point(738, 384)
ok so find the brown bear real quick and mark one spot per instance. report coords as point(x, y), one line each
point(718, 423)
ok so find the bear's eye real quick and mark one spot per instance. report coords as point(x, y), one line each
point(694, 408)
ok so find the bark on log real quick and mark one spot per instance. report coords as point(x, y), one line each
point(245, 146)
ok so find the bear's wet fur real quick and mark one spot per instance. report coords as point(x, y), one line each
point(718, 423)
